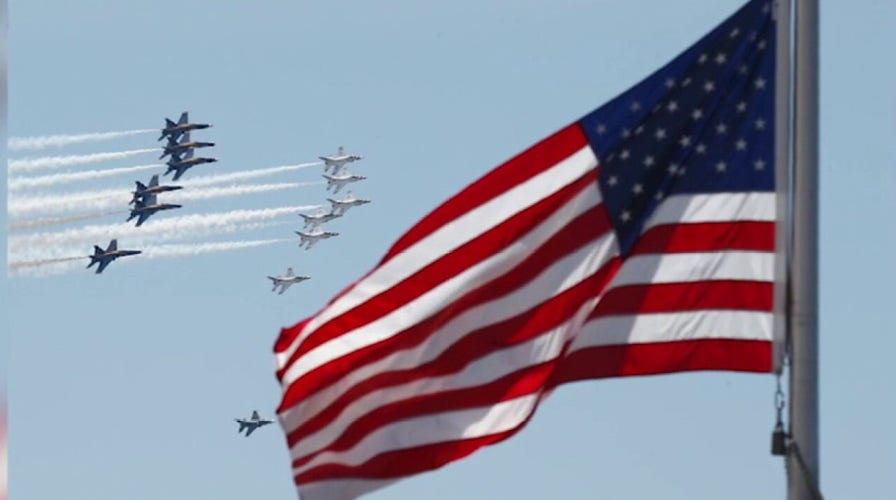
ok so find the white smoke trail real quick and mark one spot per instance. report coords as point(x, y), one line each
point(53, 179)
point(57, 244)
point(49, 162)
point(110, 198)
point(60, 140)
point(48, 267)
point(52, 221)
point(245, 175)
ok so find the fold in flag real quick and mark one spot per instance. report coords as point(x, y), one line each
point(637, 240)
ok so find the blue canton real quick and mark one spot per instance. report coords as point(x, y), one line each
point(704, 123)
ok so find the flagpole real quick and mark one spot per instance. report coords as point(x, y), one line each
point(802, 456)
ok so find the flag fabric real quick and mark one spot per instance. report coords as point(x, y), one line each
point(638, 240)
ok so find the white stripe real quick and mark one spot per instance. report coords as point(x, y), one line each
point(561, 276)
point(546, 346)
point(670, 327)
point(698, 266)
point(722, 207)
point(434, 300)
point(341, 489)
point(431, 429)
point(451, 236)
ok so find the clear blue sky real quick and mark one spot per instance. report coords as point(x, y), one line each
point(125, 385)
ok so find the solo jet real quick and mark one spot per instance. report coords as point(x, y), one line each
point(341, 179)
point(104, 257)
point(176, 149)
point(321, 217)
point(153, 188)
point(148, 206)
point(342, 206)
point(174, 130)
point(338, 160)
point(181, 165)
point(250, 424)
point(313, 237)
point(286, 280)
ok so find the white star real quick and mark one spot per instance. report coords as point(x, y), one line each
point(626, 133)
point(741, 145)
point(624, 154)
point(625, 216)
point(673, 168)
point(601, 129)
point(635, 106)
point(760, 44)
point(743, 69)
point(760, 124)
point(753, 36)
point(760, 83)
point(672, 106)
point(685, 141)
point(658, 196)
point(721, 129)
point(721, 58)
point(637, 189)
point(686, 82)
point(741, 106)
point(759, 165)
point(648, 161)
point(701, 148)
point(680, 171)
point(639, 129)
point(721, 166)
point(670, 82)
point(660, 134)
point(697, 114)
point(734, 32)
point(709, 86)
point(702, 59)
point(612, 180)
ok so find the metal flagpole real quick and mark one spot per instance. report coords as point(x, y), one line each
point(802, 456)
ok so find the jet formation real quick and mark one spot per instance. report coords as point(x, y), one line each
point(105, 257)
point(252, 423)
point(173, 131)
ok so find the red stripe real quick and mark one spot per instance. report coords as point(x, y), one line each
point(665, 357)
point(707, 237)
point(449, 265)
point(519, 169)
point(529, 380)
point(289, 335)
point(398, 463)
point(581, 231)
point(675, 297)
point(474, 345)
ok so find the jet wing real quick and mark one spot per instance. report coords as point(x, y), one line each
point(103, 264)
point(143, 216)
point(250, 428)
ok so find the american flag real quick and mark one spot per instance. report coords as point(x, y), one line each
point(637, 240)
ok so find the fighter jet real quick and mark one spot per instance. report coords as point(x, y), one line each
point(286, 280)
point(181, 165)
point(338, 160)
point(174, 130)
point(321, 217)
point(250, 424)
point(341, 179)
point(175, 149)
point(313, 237)
point(105, 257)
point(148, 206)
point(153, 188)
point(342, 206)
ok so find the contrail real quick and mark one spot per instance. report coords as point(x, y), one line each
point(64, 264)
point(53, 179)
point(49, 162)
point(49, 245)
point(52, 221)
point(109, 198)
point(60, 140)
point(245, 175)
